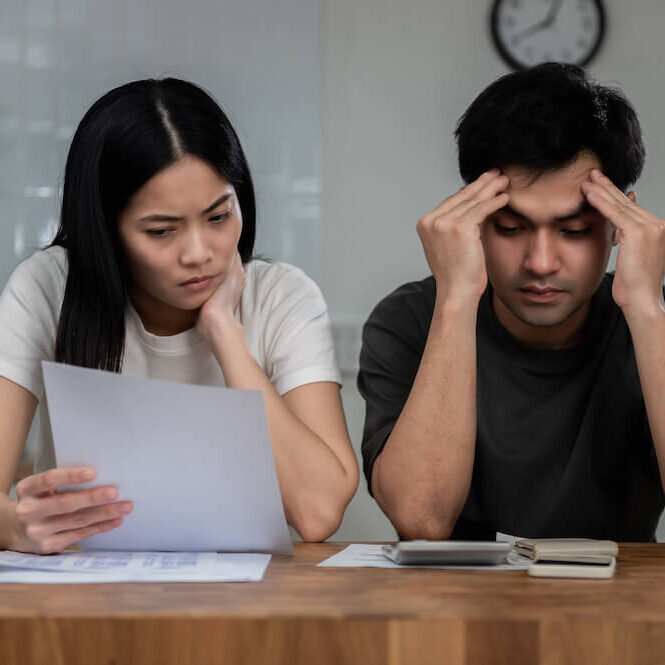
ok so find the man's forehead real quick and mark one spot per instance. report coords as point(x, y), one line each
point(574, 172)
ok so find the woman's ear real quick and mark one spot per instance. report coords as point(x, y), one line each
point(632, 196)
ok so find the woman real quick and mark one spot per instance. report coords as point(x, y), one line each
point(150, 274)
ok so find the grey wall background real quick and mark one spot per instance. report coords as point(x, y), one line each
point(260, 59)
point(345, 108)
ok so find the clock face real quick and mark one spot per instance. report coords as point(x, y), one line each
point(528, 32)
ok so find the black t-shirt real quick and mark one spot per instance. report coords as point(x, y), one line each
point(563, 445)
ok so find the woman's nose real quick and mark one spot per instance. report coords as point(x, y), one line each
point(195, 249)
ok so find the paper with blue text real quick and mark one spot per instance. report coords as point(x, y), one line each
point(100, 567)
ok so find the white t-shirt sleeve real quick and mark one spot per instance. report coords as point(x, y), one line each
point(295, 328)
point(29, 311)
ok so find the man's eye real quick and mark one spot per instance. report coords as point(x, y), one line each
point(217, 219)
point(575, 233)
point(507, 230)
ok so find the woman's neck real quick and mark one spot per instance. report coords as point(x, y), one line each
point(159, 318)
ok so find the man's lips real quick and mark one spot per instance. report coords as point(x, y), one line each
point(540, 290)
point(541, 294)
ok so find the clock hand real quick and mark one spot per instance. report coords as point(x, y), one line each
point(541, 25)
point(554, 12)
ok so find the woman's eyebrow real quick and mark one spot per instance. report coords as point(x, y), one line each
point(218, 202)
point(172, 218)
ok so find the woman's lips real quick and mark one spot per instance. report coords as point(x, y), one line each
point(198, 283)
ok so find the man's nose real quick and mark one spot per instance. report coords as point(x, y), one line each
point(542, 257)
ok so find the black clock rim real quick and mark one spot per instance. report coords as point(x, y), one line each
point(516, 64)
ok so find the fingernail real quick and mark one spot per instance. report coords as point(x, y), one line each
point(88, 474)
point(111, 494)
point(127, 508)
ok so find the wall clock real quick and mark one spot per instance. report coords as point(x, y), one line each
point(528, 32)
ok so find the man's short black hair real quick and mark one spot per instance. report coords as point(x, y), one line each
point(542, 118)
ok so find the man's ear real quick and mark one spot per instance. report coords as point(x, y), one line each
point(632, 196)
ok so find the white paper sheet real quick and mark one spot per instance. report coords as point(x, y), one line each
point(195, 460)
point(100, 567)
point(371, 556)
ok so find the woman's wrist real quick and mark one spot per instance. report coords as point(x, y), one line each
point(11, 526)
point(226, 337)
point(215, 325)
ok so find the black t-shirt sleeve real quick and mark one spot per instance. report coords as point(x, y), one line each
point(393, 341)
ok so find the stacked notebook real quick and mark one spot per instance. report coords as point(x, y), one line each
point(569, 557)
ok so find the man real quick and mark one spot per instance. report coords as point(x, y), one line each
point(519, 388)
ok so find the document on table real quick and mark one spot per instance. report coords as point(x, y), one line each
point(371, 556)
point(196, 460)
point(100, 567)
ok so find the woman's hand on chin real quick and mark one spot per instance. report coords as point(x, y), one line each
point(218, 312)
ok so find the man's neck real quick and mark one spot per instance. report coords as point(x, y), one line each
point(564, 335)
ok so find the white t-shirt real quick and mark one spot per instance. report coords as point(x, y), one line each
point(283, 313)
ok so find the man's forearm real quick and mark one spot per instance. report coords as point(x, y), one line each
point(421, 478)
point(648, 333)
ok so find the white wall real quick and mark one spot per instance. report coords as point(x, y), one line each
point(397, 75)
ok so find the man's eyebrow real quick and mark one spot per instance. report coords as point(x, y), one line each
point(582, 209)
point(170, 218)
point(507, 209)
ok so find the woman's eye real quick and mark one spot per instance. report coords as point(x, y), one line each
point(159, 233)
point(217, 219)
point(507, 230)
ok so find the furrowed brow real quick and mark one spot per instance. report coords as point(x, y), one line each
point(508, 210)
point(217, 203)
point(172, 218)
point(584, 208)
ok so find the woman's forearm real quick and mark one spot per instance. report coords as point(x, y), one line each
point(314, 482)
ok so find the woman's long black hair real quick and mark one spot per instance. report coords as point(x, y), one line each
point(128, 136)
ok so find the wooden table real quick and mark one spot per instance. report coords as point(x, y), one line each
point(303, 614)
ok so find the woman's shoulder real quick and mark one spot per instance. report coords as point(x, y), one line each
point(275, 279)
point(273, 271)
point(277, 289)
point(45, 269)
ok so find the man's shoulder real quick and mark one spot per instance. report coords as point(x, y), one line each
point(404, 314)
point(413, 298)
